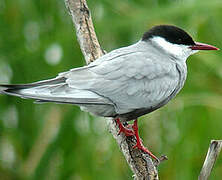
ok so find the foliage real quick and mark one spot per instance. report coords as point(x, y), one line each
point(51, 141)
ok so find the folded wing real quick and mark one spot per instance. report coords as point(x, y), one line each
point(119, 82)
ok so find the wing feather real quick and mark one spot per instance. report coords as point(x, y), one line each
point(119, 82)
point(131, 80)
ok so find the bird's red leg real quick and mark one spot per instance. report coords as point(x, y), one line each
point(139, 144)
point(122, 129)
point(132, 132)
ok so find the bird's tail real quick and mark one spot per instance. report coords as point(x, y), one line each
point(30, 90)
point(54, 90)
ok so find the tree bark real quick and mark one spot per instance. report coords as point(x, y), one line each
point(212, 154)
point(140, 163)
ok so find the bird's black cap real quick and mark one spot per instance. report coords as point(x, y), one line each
point(170, 33)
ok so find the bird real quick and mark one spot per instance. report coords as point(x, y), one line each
point(125, 83)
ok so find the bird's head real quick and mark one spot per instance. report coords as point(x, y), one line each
point(174, 41)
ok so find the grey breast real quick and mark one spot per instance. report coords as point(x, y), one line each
point(181, 69)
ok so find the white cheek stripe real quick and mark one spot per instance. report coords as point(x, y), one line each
point(181, 51)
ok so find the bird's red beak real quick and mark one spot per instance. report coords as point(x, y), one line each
point(201, 46)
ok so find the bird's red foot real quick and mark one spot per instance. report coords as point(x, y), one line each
point(122, 129)
point(134, 132)
point(139, 144)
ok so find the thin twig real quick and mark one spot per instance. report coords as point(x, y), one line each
point(140, 163)
point(212, 154)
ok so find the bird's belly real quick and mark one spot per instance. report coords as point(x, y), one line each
point(145, 110)
point(152, 105)
point(100, 110)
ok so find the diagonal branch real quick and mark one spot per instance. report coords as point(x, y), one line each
point(212, 154)
point(140, 163)
point(85, 32)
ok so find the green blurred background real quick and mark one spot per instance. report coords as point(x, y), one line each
point(51, 141)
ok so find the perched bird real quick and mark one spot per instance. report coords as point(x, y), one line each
point(126, 83)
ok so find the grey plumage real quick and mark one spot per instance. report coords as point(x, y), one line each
point(127, 82)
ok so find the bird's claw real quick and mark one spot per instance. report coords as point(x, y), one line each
point(145, 150)
point(126, 131)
